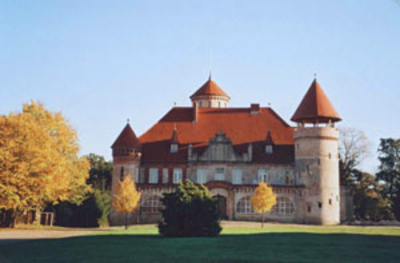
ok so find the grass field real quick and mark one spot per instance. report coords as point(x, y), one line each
point(275, 243)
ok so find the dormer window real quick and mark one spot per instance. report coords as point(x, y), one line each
point(174, 141)
point(269, 143)
point(174, 148)
point(269, 149)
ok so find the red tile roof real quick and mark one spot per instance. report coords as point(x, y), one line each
point(209, 88)
point(315, 107)
point(238, 124)
point(127, 138)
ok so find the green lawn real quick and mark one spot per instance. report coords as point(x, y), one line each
point(277, 243)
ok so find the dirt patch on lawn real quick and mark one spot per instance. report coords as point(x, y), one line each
point(18, 235)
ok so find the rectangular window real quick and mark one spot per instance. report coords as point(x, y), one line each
point(153, 175)
point(201, 176)
point(237, 177)
point(142, 175)
point(262, 176)
point(320, 205)
point(121, 174)
point(219, 174)
point(177, 175)
point(330, 201)
point(165, 176)
point(137, 175)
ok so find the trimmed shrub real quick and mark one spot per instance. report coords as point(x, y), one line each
point(189, 212)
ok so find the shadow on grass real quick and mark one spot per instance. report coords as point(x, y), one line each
point(275, 247)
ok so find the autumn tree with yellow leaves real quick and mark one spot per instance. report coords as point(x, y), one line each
point(126, 197)
point(263, 200)
point(39, 162)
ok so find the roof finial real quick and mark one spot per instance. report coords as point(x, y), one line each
point(315, 76)
point(210, 75)
point(210, 62)
point(127, 120)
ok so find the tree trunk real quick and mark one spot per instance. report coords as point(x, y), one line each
point(13, 218)
point(262, 220)
point(38, 213)
point(126, 221)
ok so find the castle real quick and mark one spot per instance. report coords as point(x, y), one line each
point(230, 150)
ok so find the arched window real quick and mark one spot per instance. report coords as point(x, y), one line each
point(283, 206)
point(244, 206)
point(151, 204)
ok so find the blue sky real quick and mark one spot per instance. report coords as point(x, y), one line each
point(101, 62)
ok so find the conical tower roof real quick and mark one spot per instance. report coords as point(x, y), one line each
point(210, 88)
point(127, 138)
point(315, 107)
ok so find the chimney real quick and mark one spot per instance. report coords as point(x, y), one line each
point(255, 108)
point(195, 112)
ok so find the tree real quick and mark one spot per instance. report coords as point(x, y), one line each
point(100, 173)
point(389, 171)
point(94, 211)
point(39, 161)
point(189, 212)
point(354, 147)
point(263, 200)
point(126, 197)
point(103, 203)
point(369, 203)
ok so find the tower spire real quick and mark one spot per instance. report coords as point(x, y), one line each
point(315, 107)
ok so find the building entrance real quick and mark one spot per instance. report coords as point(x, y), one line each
point(221, 206)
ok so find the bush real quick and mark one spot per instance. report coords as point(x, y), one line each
point(189, 212)
point(71, 215)
point(103, 202)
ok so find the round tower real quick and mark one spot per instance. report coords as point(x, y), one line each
point(126, 151)
point(317, 158)
point(210, 95)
